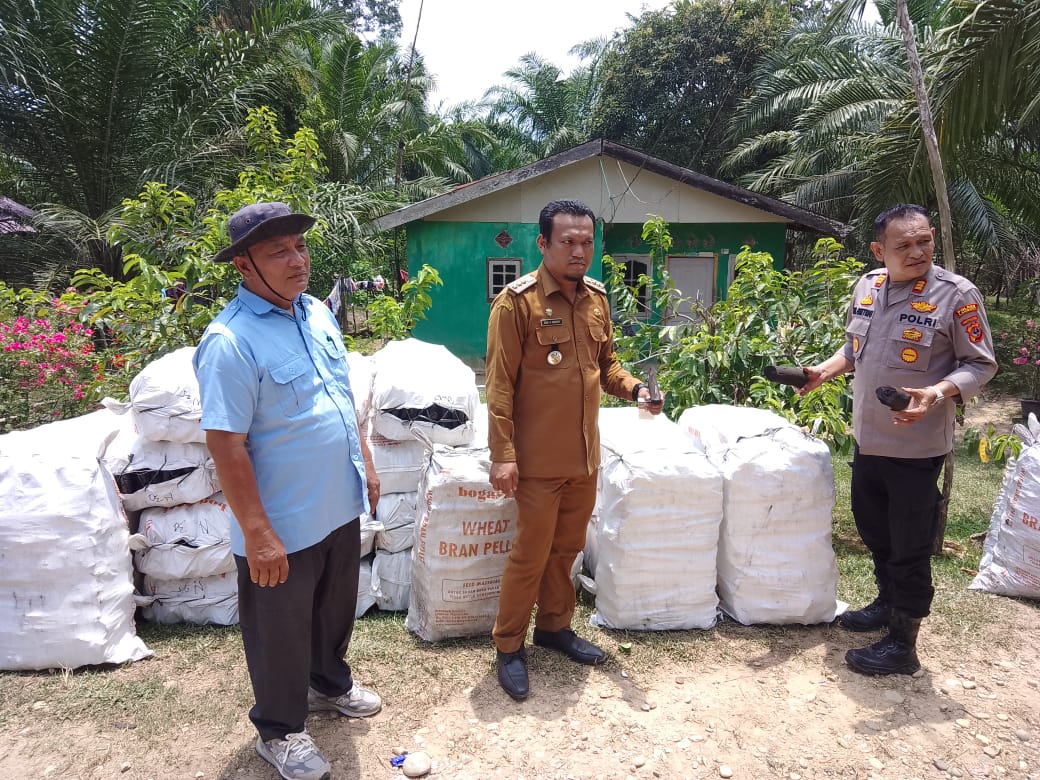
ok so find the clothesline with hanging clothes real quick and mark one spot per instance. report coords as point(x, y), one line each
point(344, 288)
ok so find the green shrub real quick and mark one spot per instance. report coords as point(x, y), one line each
point(718, 355)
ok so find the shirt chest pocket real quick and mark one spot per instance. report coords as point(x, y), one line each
point(856, 332)
point(910, 348)
point(292, 386)
point(551, 339)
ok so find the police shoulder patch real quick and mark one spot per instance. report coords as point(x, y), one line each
point(521, 284)
point(595, 284)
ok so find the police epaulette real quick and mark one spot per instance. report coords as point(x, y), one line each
point(595, 284)
point(521, 284)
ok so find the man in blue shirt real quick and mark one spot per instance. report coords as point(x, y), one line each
point(281, 426)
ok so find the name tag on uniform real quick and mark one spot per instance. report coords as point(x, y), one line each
point(552, 322)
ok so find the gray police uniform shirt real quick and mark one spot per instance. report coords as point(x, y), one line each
point(915, 334)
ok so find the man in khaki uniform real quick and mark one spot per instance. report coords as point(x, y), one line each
point(550, 350)
point(924, 329)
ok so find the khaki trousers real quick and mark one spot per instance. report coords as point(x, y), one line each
point(552, 515)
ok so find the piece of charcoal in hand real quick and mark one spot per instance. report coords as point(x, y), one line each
point(894, 398)
point(787, 375)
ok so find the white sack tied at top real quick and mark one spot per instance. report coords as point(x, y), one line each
point(163, 473)
point(423, 389)
point(463, 535)
point(66, 583)
point(720, 425)
point(658, 512)
point(1010, 564)
point(164, 400)
point(776, 561)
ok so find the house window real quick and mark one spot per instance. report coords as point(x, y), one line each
point(634, 268)
point(500, 272)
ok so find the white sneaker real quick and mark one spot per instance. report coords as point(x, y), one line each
point(296, 757)
point(358, 702)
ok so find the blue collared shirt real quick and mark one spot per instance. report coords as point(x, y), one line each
point(283, 381)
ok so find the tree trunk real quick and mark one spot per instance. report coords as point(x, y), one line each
point(928, 131)
point(942, 198)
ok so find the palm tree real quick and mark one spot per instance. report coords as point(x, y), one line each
point(541, 109)
point(832, 123)
point(98, 96)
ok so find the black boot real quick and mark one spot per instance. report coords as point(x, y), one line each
point(872, 617)
point(896, 653)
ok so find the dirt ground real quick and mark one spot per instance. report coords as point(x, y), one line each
point(754, 704)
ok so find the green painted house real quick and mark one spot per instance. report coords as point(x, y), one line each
point(481, 236)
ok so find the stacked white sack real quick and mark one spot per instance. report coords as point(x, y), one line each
point(369, 528)
point(658, 513)
point(399, 463)
point(164, 399)
point(464, 533)
point(66, 590)
point(392, 579)
point(361, 372)
point(163, 473)
point(186, 541)
point(200, 600)
point(423, 389)
point(396, 513)
point(1010, 562)
point(776, 561)
point(366, 595)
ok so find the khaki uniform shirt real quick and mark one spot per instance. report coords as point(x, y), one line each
point(545, 417)
point(915, 334)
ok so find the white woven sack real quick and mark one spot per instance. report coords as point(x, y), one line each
point(66, 587)
point(202, 601)
point(164, 399)
point(421, 387)
point(398, 463)
point(392, 579)
point(463, 538)
point(366, 596)
point(720, 425)
point(396, 509)
point(185, 541)
point(396, 539)
point(776, 561)
point(165, 474)
point(362, 372)
point(658, 513)
point(205, 522)
point(1010, 562)
point(369, 528)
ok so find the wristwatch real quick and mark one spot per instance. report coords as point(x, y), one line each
point(635, 391)
point(939, 397)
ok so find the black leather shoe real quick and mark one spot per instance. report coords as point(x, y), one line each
point(872, 617)
point(512, 673)
point(571, 645)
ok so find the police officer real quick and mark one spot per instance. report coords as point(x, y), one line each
point(924, 329)
point(550, 351)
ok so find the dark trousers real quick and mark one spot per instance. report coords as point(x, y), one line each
point(896, 505)
point(296, 634)
point(551, 518)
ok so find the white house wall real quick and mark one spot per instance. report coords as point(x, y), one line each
point(616, 191)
